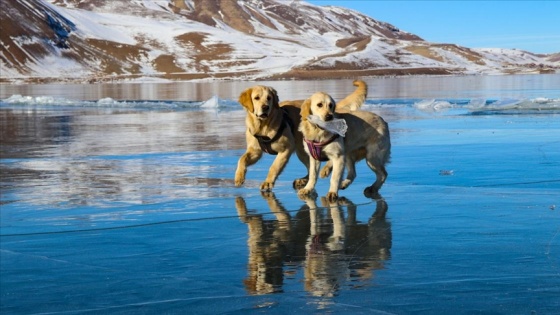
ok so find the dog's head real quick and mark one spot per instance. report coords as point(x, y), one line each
point(259, 100)
point(319, 104)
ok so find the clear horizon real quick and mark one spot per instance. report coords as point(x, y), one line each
point(525, 25)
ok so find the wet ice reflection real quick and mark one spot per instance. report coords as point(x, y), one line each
point(112, 165)
point(325, 242)
point(130, 210)
point(32, 133)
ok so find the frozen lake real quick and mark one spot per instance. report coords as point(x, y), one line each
point(119, 199)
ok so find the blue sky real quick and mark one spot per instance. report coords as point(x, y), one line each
point(528, 25)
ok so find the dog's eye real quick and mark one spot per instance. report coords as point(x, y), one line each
point(330, 105)
point(319, 105)
point(268, 98)
point(257, 97)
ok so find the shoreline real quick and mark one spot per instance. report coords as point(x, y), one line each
point(295, 74)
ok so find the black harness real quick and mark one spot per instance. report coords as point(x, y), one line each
point(266, 143)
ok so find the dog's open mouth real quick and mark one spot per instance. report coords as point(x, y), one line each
point(263, 116)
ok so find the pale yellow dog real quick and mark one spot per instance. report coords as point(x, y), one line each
point(367, 137)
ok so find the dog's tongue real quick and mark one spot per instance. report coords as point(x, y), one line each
point(335, 126)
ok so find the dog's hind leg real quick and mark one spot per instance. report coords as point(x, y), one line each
point(380, 173)
point(326, 170)
point(351, 159)
point(351, 166)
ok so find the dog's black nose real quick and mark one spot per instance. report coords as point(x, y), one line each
point(265, 108)
point(329, 117)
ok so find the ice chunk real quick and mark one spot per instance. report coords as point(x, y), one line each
point(213, 102)
point(107, 101)
point(432, 105)
point(476, 103)
point(541, 100)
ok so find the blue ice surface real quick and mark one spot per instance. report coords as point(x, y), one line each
point(472, 226)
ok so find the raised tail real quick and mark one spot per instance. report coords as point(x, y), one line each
point(356, 99)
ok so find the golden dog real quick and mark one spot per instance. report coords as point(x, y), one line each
point(367, 137)
point(272, 127)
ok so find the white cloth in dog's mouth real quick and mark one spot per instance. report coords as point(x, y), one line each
point(335, 126)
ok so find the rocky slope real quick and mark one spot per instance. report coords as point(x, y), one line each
point(102, 40)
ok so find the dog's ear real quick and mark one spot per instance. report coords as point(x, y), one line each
point(333, 104)
point(245, 99)
point(275, 100)
point(305, 109)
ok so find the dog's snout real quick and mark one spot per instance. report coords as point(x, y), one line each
point(265, 108)
point(329, 117)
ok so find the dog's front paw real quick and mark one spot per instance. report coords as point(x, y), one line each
point(325, 171)
point(239, 181)
point(306, 193)
point(267, 186)
point(300, 183)
point(345, 183)
point(332, 196)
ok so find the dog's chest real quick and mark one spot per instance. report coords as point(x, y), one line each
point(321, 151)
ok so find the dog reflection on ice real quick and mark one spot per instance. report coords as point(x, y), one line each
point(272, 244)
point(341, 251)
point(331, 249)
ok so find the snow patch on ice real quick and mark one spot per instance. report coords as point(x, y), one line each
point(432, 105)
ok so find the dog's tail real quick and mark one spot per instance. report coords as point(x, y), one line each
point(356, 99)
point(385, 144)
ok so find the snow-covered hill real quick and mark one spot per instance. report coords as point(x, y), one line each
point(103, 40)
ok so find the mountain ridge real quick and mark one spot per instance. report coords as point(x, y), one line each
point(97, 41)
